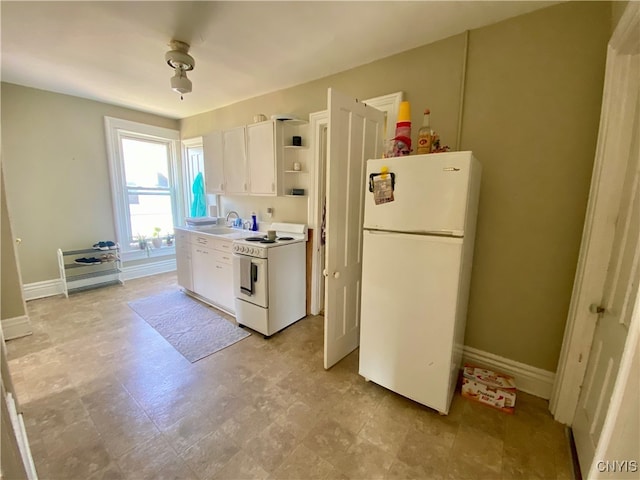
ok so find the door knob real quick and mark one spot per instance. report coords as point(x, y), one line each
point(336, 274)
point(324, 272)
point(18, 240)
point(595, 308)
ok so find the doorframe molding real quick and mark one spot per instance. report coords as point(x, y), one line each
point(389, 104)
point(318, 121)
point(620, 93)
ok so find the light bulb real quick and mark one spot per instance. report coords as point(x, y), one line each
point(180, 83)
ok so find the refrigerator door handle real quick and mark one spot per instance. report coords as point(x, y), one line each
point(429, 233)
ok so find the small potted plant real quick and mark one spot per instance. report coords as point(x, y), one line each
point(169, 239)
point(142, 242)
point(157, 239)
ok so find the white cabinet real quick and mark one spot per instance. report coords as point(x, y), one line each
point(211, 261)
point(235, 161)
point(213, 162)
point(204, 281)
point(258, 159)
point(183, 259)
point(263, 139)
point(224, 285)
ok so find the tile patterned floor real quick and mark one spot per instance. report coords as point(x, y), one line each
point(106, 397)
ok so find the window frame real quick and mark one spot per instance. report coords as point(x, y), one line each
point(116, 129)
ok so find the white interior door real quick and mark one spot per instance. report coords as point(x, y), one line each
point(354, 137)
point(614, 317)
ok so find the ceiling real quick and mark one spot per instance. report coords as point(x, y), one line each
point(114, 51)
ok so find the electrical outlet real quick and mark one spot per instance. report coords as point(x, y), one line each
point(269, 212)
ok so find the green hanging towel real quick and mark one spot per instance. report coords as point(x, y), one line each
point(199, 205)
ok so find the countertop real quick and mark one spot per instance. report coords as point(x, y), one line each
point(220, 231)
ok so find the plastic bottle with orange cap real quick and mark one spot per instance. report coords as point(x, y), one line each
point(402, 139)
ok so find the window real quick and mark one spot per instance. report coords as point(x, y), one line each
point(192, 165)
point(143, 163)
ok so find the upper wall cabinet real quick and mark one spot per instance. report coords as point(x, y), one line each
point(263, 140)
point(213, 160)
point(258, 159)
point(235, 161)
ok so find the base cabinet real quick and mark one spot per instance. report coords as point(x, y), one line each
point(183, 259)
point(205, 281)
point(205, 268)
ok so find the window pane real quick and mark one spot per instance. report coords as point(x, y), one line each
point(145, 163)
point(149, 212)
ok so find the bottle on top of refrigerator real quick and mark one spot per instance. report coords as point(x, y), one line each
point(425, 134)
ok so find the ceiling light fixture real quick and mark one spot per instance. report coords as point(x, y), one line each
point(179, 59)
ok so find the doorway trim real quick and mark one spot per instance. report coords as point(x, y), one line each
point(616, 123)
point(319, 122)
point(389, 104)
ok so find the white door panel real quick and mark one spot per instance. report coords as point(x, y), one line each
point(620, 291)
point(354, 137)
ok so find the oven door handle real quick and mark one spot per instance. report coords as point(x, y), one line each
point(254, 273)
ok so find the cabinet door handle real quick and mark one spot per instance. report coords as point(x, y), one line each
point(218, 266)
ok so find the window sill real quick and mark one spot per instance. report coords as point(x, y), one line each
point(164, 251)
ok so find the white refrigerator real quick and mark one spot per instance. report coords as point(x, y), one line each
point(416, 269)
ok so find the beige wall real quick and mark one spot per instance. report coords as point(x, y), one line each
point(11, 302)
point(532, 100)
point(412, 72)
point(57, 173)
point(532, 105)
point(532, 109)
point(617, 9)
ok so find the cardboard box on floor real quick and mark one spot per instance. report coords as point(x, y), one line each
point(491, 388)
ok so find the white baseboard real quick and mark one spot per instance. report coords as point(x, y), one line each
point(50, 288)
point(533, 380)
point(146, 269)
point(16, 327)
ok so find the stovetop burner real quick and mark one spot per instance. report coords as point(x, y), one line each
point(266, 240)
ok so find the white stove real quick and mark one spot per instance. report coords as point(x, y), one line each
point(270, 279)
point(256, 246)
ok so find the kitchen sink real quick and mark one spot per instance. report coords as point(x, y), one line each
point(218, 230)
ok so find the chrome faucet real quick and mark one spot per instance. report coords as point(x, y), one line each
point(230, 213)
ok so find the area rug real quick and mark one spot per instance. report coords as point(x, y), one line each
point(193, 329)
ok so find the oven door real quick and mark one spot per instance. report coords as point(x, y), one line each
point(250, 280)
